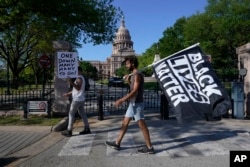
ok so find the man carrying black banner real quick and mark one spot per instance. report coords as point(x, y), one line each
point(135, 108)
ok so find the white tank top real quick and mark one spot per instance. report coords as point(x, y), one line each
point(79, 95)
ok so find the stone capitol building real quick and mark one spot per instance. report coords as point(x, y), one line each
point(122, 46)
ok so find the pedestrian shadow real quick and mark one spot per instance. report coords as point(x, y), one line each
point(185, 142)
point(8, 160)
point(131, 147)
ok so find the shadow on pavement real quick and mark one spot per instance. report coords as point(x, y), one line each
point(9, 160)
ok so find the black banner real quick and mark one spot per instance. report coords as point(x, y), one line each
point(191, 85)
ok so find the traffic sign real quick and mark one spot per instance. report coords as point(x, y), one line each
point(44, 61)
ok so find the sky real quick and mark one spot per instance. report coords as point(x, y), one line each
point(146, 21)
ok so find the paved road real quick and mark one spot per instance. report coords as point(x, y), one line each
point(193, 144)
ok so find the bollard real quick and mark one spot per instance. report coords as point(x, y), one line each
point(100, 107)
point(164, 107)
point(49, 109)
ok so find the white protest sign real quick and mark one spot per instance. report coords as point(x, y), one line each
point(67, 64)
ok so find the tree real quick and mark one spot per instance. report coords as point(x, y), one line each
point(173, 39)
point(94, 20)
point(220, 30)
point(147, 57)
point(27, 28)
point(171, 42)
point(15, 47)
point(121, 71)
point(88, 70)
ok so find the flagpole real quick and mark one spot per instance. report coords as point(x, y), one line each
point(197, 44)
point(150, 65)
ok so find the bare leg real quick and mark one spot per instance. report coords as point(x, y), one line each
point(145, 132)
point(123, 130)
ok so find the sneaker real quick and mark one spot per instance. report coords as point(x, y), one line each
point(113, 145)
point(146, 150)
point(85, 131)
point(67, 133)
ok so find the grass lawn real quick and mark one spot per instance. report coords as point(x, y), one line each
point(31, 120)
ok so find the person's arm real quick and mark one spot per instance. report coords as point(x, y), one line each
point(133, 92)
point(67, 94)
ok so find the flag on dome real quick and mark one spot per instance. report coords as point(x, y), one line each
point(191, 85)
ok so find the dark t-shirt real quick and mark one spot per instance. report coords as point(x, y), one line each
point(139, 97)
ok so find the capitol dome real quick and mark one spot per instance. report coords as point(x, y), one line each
point(122, 33)
point(122, 39)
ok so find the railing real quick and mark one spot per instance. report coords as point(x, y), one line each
point(99, 97)
point(16, 98)
point(106, 97)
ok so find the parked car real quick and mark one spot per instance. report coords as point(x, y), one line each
point(116, 82)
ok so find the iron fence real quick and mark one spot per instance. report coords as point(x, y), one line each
point(16, 98)
point(100, 98)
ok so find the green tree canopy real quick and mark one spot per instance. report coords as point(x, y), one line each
point(220, 29)
point(94, 20)
point(121, 71)
point(173, 39)
point(28, 27)
point(88, 70)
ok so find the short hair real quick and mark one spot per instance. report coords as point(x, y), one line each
point(132, 59)
point(79, 68)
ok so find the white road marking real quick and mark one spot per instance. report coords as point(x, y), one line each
point(128, 147)
point(240, 139)
point(174, 145)
point(78, 145)
point(205, 145)
point(166, 146)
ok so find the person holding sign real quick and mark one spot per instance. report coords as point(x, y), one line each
point(78, 98)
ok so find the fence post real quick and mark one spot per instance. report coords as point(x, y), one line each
point(49, 108)
point(232, 114)
point(25, 110)
point(100, 105)
point(164, 107)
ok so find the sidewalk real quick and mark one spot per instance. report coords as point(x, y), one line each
point(33, 139)
point(21, 143)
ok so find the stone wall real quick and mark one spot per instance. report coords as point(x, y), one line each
point(61, 104)
point(244, 66)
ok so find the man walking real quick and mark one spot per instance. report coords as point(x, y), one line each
point(135, 108)
point(78, 98)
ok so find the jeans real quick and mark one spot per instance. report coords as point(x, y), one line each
point(77, 105)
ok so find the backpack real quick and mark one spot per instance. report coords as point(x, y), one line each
point(87, 85)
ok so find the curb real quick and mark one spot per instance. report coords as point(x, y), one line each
point(62, 125)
